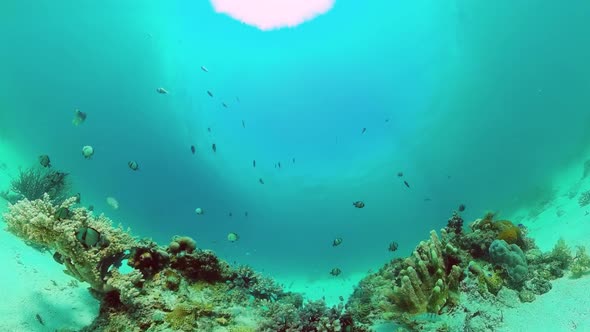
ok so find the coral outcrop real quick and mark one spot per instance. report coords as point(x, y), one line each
point(145, 287)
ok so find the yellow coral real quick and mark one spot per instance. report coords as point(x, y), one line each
point(508, 232)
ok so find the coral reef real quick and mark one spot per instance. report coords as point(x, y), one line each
point(452, 275)
point(580, 263)
point(146, 287)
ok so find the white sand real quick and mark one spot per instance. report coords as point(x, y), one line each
point(33, 283)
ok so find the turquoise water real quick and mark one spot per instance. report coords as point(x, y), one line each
point(484, 103)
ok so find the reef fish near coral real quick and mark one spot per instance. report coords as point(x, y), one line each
point(44, 160)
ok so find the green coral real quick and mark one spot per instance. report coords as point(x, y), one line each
point(581, 263)
point(561, 254)
point(184, 316)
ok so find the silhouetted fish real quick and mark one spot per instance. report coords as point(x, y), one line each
point(461, 207)
point(193, 150)
point(246, 213)
point(210, 93)
point(364, 129)
point(243, 124)
point(279, 164)
point(224, 105)
point(407, 184)
point(214, 147)
point(254, 163)
point(203, 68)
point(293, 160)
point(209, 129)
point(261, 181)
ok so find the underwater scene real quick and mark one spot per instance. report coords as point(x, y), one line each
point(288, 165)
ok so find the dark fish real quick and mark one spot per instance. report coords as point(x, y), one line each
point(133, 165)
point(90, 207)
point(341, 298)
point(224, 105)
point(243, 124)
point(209, 129)
point(359, 204)
point(161, 91)
point(364, 129)
point(210, 93)
point(260, 180)
point(44, 160)
point(386, 120)
point(393, 246)
point(203, 68)
point(78, 198)
point(407, 184)
point(279, 164)
point(335, 272)
point(293, 160)
point(400, 174)
point(427, 199)
point(461, 207)
point(79, 117)
point(337, 241)
point(40, 319)
point(214, 147)
point(254, 163)
point(246, 213)
point(58, 257)
point(230, 214)
point(88, 237)
point(63, 213)
point(193, 149)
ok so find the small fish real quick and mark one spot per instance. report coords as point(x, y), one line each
point(279, 164)
point(58, 257)
point(91, 208)
point(78, 198)
point(407, 184)
point(341, 298)
point(79, 117)
point(214, 147)
point(40, 319)
point(44, 160)
point(400, 174)
point(133, 165)
point(461, 207)
point(230, 214)
point(161, 91)
point(209, 129)
point(293, 160)
point(254, 163)
point(193, 149)
point(359, 204)
point(210, 93)
point(335, 272)
point(386, 120)
point(63, 213)
point(261, 181)
point(392, 246)
point(233, 237)
point(224, 105)
point(363, 131)
point(243, 124)
point(88, 237)
point(246, 214)
point(203, 68)
point(427, 199)
point(337, 241)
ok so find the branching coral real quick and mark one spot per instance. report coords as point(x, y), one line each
point(257, 285)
